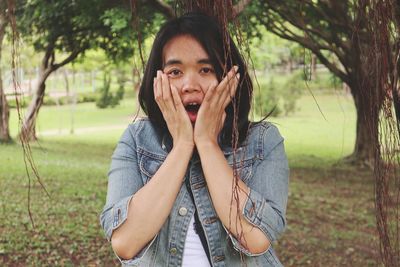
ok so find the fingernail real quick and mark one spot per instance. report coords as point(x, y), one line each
point(238, 76)
point(235, 68)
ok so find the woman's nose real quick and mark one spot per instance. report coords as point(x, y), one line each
point(191, 84)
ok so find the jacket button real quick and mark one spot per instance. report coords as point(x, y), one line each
point(173, 251)
point(183, 211)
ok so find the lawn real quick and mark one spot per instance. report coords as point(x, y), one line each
point(331, 219)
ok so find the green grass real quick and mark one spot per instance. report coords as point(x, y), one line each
point(327, 133)
point(81, 116)
point(332, 127)
point(330, 212)
point(74, 173)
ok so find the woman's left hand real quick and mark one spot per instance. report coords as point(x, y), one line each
point(211, 115)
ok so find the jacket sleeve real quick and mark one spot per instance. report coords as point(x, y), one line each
point(265, 207)
point(124, 180)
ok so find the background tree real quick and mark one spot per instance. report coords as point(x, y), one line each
point(384, 21)
point(4, 109)
point(337, 34)
point(64, 30)
point(395, 19)
point(358, 42)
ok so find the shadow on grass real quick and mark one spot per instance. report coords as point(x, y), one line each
point(330, 212)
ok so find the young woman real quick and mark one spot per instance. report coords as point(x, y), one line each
point(196, 183)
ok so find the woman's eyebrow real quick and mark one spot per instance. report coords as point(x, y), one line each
point(179, 62)
point(172, 62)
point(204, 61)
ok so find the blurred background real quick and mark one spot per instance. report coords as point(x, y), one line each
point(74, 67)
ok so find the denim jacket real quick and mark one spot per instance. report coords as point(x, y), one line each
point(261, 163)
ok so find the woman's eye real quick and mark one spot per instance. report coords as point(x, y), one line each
point(207, 70)
point(173, 73)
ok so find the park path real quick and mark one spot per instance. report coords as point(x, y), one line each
point(84, 130)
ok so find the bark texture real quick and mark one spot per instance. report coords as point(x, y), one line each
point(28, 130)
point(367, 134)
point(4, 108)
point(48, 66)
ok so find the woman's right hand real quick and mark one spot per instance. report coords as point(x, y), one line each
point(174, 113)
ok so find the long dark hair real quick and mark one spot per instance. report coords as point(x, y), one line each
point(223, 54)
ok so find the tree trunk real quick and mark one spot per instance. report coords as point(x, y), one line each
point(313, 67)
point(368, 103)
point(367, 132)
point(5, 115)
point(28, 130)
point(4, 109)
point(396, 104)
point(396, 89)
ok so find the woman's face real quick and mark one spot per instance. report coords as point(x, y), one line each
point(189, 69)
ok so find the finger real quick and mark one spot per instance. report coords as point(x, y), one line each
point(209, 96)
point(158, 91)
point(217, 96)
point(165, 87)
point(176, 99)
point(178, 103)
point(159, 84)
point(232, 90)
point(155, 92)
point(232, 79)
point(224, 88)
point(223, 119)
point(225, 81)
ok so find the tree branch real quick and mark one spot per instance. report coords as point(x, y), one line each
point(68, 59)
point(314, 48)
point(239, 7)
point(163, 7)
point(322, 43)
point(297, 21)
point(47, 55)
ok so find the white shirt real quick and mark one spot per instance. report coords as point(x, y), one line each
point(193, 252)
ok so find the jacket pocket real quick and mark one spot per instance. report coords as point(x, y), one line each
point(243, 169)
point(149, 164)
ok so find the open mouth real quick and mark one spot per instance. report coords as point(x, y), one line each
point(192, 109)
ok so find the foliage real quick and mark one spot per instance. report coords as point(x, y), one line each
point(292, 91)
point(87, 97)
point(28, 58)
point(121, 80)
point(71, 27)
point(269, 51)
point(266, 99)
point(107, 98)
point(51, 101)
point(281, 97)
point(315, 25)
point(12, 103)
point(338, 33)
point(280, 92)
point(66, 100)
